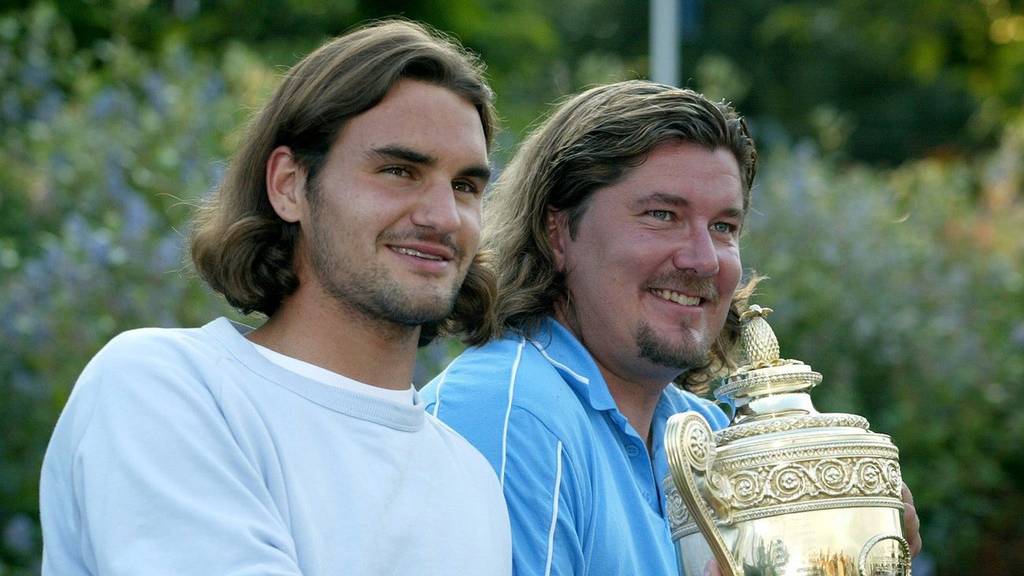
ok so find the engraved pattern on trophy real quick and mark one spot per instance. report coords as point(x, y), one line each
point(691, 451)
point(811, 472)
point(678, 515)
point(824, 479)
point(878, 560)
point(787, 424)
point(697, 446)
point(797, 378)
point(784, 490)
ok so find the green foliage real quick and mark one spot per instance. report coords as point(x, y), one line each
point(881, 82)
point(901, 79)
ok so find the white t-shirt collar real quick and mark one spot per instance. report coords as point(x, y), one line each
point(324, 376)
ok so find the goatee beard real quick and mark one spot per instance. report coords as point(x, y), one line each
point(682, 357)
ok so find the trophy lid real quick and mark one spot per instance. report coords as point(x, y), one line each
point(763, 372)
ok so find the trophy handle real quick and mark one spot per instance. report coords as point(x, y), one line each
point(903, 561)
point(691, 452)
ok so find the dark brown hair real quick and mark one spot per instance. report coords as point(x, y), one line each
point(591, 141)
point(240, 247)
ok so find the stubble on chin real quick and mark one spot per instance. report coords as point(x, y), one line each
point(370, 290)
point(688, 354)
point(378, 296)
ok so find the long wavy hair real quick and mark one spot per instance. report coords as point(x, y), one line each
point(591, 141)
point(240, 246)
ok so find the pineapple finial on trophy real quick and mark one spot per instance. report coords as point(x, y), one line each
point(763, 373)
point(760, 345)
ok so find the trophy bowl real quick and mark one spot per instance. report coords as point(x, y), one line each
point(783, 490)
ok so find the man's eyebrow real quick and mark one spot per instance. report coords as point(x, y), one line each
point(403, 153)
point(737, 213)
point(663, 198)
point(481, 171)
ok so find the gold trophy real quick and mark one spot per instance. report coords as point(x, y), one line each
point(783, 490)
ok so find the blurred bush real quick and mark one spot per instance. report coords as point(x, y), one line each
point(902, 286)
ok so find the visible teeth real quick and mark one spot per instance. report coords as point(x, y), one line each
point(416, 253)
point(676, 297)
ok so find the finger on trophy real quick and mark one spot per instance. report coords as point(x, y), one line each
point(911, 523)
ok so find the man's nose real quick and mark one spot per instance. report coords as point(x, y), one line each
point(437, 208)
point(696, 254)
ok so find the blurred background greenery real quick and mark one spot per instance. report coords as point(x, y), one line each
point(888, 214)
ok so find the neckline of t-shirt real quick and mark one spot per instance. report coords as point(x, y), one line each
point(405, 417)
point(335, 379)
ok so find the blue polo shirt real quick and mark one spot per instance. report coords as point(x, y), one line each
point(584, 494)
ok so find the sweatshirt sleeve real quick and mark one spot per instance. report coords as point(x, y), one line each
point(144, 475)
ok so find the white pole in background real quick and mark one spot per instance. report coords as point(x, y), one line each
point(664, 48)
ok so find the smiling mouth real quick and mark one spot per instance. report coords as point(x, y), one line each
point(417, 253)
point(676, 297)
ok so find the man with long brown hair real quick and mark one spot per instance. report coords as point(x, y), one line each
point(350, 217)
point(615, 235)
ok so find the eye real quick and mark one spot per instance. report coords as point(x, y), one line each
point(727, 228)
point(465, 186)
point(399, 171)
point(663, 215)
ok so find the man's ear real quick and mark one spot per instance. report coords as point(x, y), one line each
point(558, 236)
point(285, 182)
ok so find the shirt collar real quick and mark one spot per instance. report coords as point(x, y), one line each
point(404, 417)
point(577, 367)
point(574, 363)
